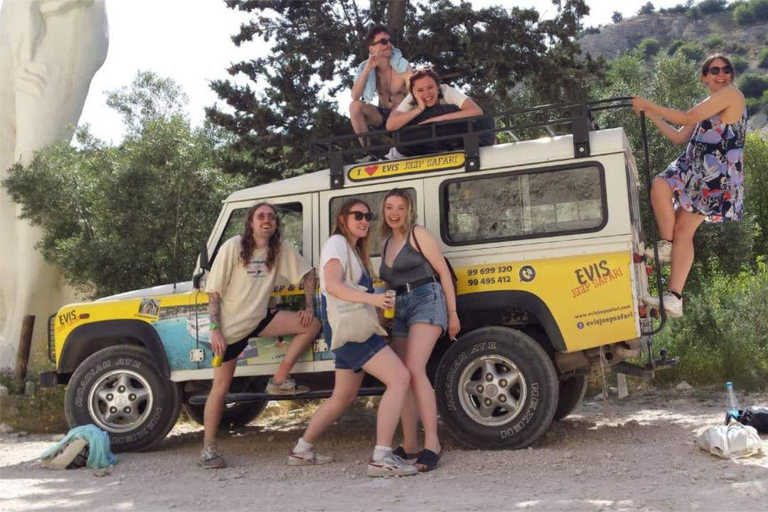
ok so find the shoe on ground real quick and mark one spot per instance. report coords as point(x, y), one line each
point(310, 458)
point(390, 465)
point(665, 251)
point(210, 459)
point(672, 305)
point(288, 388)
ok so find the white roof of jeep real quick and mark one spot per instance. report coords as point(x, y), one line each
point(538, 151)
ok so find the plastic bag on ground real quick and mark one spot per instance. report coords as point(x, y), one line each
point(730, 442)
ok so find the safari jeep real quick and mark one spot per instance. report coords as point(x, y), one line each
point(544, 236)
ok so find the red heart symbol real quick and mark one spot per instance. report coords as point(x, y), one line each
point(371, 169)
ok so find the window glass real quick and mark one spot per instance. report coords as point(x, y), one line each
point(520, 205)
point(291, 225)
point(374, 200)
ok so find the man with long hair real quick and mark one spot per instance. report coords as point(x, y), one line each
point(238, 287)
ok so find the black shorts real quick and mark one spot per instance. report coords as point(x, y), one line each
point(237, 347)
point(385, 112)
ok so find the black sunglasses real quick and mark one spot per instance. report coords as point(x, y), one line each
point(715, 70)
point(383, 42)
point(360, 216)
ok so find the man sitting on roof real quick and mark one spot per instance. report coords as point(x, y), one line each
point(384, 73)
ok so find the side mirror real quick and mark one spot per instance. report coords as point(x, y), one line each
point(204, 265)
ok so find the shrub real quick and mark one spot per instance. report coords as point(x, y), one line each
point(752, 84)
point(712, 6)
point(676, 44)
point(646, 9)
point(740, 64)
point(648, 47)
point(763, 62)
point(678, 9)
point(692, 51)
point(617, 17)
point(714, 41)
point(754, 11)
point(724, 333)
point(590, 30)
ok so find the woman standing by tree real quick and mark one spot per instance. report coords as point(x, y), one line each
point(412, 264)
point(706, 182)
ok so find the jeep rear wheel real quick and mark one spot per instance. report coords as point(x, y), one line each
point(572, 391)
point(497, 388)
point(121, 391)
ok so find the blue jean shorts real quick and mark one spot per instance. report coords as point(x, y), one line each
point(422, 305)
point(353, 355)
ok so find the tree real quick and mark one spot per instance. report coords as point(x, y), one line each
point(617, 17)
point(646, 9)
point(130, 216)
point(316, 46)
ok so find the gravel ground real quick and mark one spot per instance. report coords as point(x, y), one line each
point(642, 458)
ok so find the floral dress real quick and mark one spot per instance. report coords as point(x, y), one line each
point(708, 178)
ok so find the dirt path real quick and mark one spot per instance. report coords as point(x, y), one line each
point(644, 459)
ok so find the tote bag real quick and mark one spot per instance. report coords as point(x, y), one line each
point(351, 321)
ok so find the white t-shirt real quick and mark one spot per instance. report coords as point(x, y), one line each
point(245, 289)
point(450, 95)
point(337, 248)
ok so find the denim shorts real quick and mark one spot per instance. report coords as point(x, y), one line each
point(422, 305)
point(353, 355)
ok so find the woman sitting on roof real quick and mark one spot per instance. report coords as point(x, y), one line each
point(430, 102)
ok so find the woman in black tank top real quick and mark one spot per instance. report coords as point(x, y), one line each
point(425, 308)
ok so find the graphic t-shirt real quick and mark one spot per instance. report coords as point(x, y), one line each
point(245, 289)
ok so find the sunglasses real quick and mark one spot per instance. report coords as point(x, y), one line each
point(715, 70)
point(383, 42)
point(267, 216)
point(360, 216)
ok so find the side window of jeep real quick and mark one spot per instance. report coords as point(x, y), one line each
point(518, 205)
point(291, 224)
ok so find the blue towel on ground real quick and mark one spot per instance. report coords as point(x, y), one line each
point(398, 63)
point(99, 454)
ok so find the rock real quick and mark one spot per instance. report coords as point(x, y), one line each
point(732, 477)
point(598, 397)
point(101, 472)
point(3, 391)
point(578, 472)
point(684, 386)
point(5, 428)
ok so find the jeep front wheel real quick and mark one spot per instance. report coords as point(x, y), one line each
point(497, 388)
point(121, 391)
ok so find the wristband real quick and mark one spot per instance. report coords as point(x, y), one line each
point(214, 327)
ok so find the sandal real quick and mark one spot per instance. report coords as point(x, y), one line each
point(429, 459)
point(400, 452)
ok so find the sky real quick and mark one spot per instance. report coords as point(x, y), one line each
point(189, 41)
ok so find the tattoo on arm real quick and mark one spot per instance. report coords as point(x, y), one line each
point(214, 308)
point(309, 281)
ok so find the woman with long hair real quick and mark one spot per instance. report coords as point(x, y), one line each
point(238, 288)
point(706, 182)
point(346, 253)
point(425, 308)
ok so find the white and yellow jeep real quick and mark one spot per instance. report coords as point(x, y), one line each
point(545, 238)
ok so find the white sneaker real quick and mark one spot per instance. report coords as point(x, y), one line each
point(366, 158)
point(665, 251)
point(393, 154)
point(210, 459)
point(390, 465)
point(310, 458)
point(672, 305)
point(287, 387)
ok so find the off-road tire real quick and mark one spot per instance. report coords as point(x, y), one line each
point(121, 391)
point(234, 416)
point(500, 361)
point(572, 391)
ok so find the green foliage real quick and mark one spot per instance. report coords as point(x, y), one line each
point(616, 17)
point(646, 9)
point(740, 64)
point(753, 11)
point(752, 84)
point(763, 58)
point(714, 41)
point(712, 6)
point(724, 333)
point(589, 30)
point(283, 100)
point(649, 47)
point(131, 216)
point(674, 46)
point(756, 195)
point(692, 51)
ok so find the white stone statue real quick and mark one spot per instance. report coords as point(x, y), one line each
point(49, 52)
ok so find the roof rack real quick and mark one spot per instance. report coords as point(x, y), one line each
point(525, 124)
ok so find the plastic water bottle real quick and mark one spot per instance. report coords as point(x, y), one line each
point(731, 402)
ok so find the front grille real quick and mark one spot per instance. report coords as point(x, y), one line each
point(51, 341)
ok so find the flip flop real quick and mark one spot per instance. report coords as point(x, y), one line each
point(400, 452)
point(429, 459)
